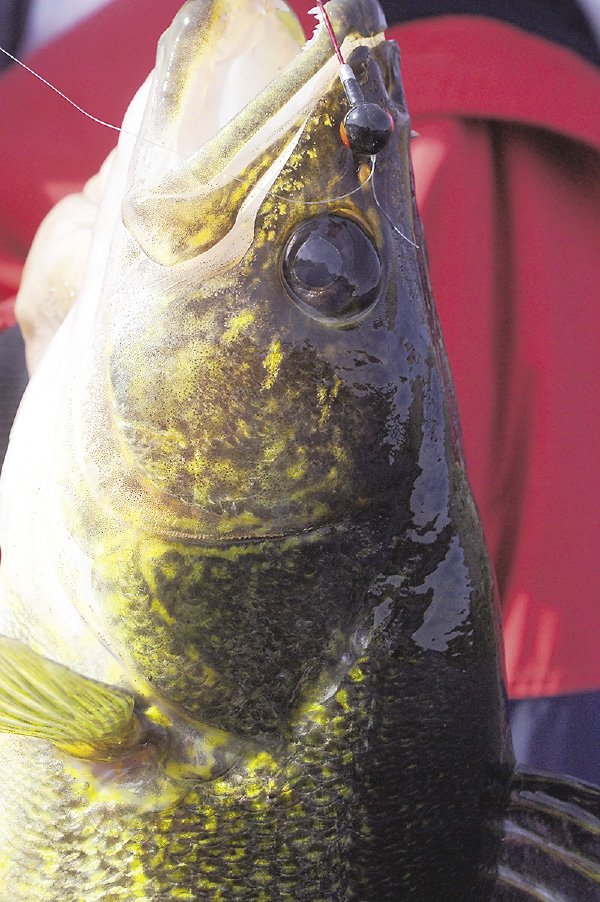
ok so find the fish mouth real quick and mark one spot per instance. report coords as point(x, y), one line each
point(218, 129)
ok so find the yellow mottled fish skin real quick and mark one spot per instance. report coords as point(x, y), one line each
point(283, 566)
point(264, 833)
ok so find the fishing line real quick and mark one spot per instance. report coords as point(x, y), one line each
point(367, 127)
point(121, 130)
point(384, 211)
point(370, 180)
point(351, 91)
point(327, 22)
point(64, 96)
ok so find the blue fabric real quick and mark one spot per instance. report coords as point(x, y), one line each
point(561, 21)
point(13, 379)
point(559, 734)
point(13, 18)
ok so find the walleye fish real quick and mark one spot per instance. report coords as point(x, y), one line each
point(249, 640)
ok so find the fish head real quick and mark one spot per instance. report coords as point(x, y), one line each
point(253, 417)
point(253, 367)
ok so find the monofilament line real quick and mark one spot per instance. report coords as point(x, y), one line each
point(331, 32)
point(115, 128)
point(60, 93)
point(125, 131)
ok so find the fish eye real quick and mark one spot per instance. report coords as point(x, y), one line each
point(331, 268)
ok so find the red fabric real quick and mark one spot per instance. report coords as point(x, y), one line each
point(507, 170)
point(508, 179)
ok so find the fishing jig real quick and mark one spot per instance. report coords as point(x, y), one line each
point(366, 127)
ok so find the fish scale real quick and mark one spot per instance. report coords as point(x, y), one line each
point(249, 643)
point(282, 835)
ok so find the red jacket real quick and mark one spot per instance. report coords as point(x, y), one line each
point(508, 182)
point(508, 178)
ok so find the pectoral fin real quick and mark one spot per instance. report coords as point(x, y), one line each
point(551, 843)
point(45, 700)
